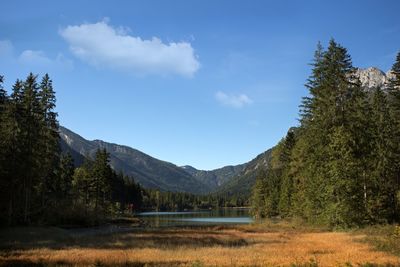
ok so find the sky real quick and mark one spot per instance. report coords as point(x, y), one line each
point(201, 83)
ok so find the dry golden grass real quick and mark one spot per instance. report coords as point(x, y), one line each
point(214, 246)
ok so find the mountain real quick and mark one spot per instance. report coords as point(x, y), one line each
point(373, 77)
point(217, 177)
point(243, 183)
point(78, 157)
point(148, 171)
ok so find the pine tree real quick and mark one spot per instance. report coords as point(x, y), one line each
point(394, 100)
point(313, 82)
point(4, 183)
point(12, 166)
point(48, 139)
point(394, 82)
point(101, 181)
point(65, 176)
point(335, 95)
point(272, 192)
point(345, 199)
point(3, 95)
point(382, 184)
point(30, 129)
point(286, 190)
point(81, 183)
point(258, 196)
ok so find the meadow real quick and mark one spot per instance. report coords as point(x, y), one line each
point(266, 244)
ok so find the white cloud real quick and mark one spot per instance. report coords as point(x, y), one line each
point(102, 45)
point(32, 59)
point(37, 58)
point(236, 101)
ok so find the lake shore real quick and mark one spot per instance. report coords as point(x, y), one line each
point(267, 244)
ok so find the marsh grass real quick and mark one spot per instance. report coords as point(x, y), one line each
point(382, 237)
point(270, 243)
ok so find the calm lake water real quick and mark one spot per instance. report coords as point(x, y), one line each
point(202, 217)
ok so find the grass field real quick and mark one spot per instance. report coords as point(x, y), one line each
point(254, 245)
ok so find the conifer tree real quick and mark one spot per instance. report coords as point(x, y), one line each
point(30, 129)
point(65, 176)
point(394, 100)
point(13, 171)
point(48, 139)
point(258, 196)
point(3, 95)
point(4, 186)
point(286, 190)
point(101, 181)
point(272, 192)
point(334, 95)
point(382, 183)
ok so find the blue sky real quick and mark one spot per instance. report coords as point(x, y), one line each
point(203, 83)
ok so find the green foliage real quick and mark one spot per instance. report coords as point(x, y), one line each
point(29, 135)
point(242, 184)
point(258, 197)
point(311, 263)
point(383, 237)
point(154, 199)
point(197, 263)
point(102, 192)
point(37, 183)
point(396, 231)
point(341, 167)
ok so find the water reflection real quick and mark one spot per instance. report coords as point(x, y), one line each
point(202, 217)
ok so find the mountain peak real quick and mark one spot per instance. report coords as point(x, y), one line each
point(372, 77)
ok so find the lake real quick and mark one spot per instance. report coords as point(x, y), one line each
point(201, 217)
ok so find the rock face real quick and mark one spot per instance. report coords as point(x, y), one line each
point(373, 77)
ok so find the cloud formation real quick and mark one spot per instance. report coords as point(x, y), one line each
point(104, 46)
point(32, 59)
point(235, 101)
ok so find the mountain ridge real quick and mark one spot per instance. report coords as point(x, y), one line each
point(148, 171)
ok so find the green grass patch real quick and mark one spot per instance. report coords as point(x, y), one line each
point(382, 237)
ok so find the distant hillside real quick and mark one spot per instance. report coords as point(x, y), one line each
point(217, 177)
point(153, 173)
point(243, 183)
point(148, 171)
point(78, 158)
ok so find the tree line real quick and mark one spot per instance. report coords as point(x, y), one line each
point(341, 166)
point(154, 199)
point(39, 184)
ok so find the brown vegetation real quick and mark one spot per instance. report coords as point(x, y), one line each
point(213, 246)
